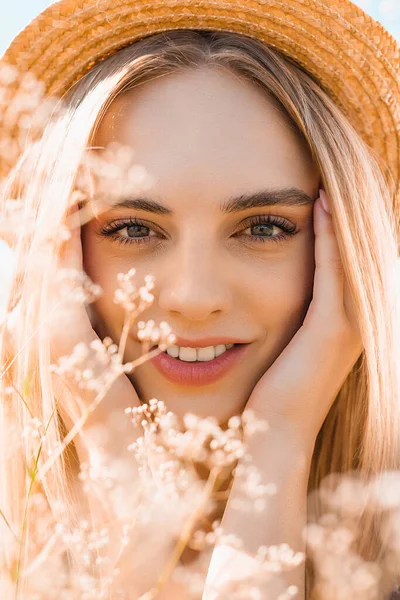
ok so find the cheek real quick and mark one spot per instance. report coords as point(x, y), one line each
point(103, 271)
point(284, 292)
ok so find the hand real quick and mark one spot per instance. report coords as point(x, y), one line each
point(294, 396)
point(297, 391)
point(73, 323)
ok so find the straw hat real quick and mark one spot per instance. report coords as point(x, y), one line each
point(354, 58)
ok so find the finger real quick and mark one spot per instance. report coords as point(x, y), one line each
point(327, 302)
point(347, 307)
point(70, 256)
point(306, 376)
point(71, 253)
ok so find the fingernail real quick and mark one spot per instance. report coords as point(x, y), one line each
point(324, 201)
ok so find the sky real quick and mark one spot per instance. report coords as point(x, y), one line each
point(15, 15)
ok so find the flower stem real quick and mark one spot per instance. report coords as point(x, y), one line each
point(33, 478)
point(185, 536)
point(129, 320)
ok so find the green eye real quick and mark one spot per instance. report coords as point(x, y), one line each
point(132, 224)
point(266, 222)
point(269, 222)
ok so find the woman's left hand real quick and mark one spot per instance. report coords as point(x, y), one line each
point(297, 391)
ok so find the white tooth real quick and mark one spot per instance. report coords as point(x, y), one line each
point(204, 354)
point(220, 349)
point(173, 351)
point(197, 354)
point(188, 354)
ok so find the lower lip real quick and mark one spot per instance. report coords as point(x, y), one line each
point(198, 373)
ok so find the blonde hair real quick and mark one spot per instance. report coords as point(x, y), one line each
point(361, 431)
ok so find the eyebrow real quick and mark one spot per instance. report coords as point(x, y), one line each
point(280, 196)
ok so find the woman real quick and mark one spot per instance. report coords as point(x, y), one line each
point(240, 141)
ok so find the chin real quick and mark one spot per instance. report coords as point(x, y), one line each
point(222, 399)
point(220, 406)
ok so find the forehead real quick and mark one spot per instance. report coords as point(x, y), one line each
point(208, 129)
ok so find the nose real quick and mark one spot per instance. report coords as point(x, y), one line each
point(194, 285)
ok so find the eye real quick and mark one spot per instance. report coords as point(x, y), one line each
point(265, 224)
point(137, 232)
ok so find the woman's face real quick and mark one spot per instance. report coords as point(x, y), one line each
point(230, 175)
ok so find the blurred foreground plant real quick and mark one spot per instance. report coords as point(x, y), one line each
point(154, 519)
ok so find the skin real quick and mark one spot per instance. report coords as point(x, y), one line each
point(302, 322)
point(205, 136)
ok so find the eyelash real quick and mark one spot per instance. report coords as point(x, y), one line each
point(288, 230)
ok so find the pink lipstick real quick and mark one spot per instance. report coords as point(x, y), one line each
point(198, 373)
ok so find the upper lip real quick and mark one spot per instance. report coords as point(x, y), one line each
point(204, 342)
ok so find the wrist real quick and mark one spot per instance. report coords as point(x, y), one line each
point(286, 448)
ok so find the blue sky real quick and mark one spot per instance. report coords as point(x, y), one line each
point(16, 14)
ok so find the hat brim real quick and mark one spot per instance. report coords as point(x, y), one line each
point(353, 57)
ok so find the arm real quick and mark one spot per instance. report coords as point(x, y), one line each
point(281, 521)
point(294, 396)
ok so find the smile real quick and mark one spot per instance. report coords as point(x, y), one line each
point(197, 366)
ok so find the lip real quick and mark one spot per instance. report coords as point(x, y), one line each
point(198, 373)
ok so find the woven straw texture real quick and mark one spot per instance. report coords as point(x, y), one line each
point(354, 58)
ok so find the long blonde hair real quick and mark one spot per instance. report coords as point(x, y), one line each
point(361, 431)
